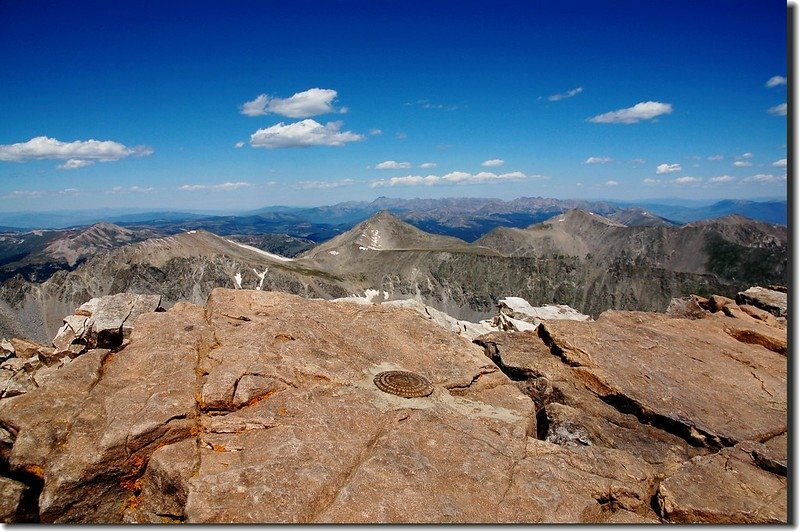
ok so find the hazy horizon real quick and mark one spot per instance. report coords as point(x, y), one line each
point(236, 107)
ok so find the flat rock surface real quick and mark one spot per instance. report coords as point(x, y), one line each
point(261, 408)
point(691, 375)
point(727, 487)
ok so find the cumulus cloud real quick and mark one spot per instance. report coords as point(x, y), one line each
point(774, 81)
point(668, 168)
point(598, 160)
point(300, 105)
point(228, 185)
point(83, 150)
point(392, 165)
point(612, 183)
point(742, 164)
point(632, 115)
point(747, 155)
point(564, 95)
point(73, 164)
point(325, 184)
point(686, 180)
point(651, 181)
point(302, 134)
point(781, 163)
point(239, 144)
point(721, 179)
point(778, 110)
point(493, 163)
point(764, 178)
point(715, 157)
point(375, 131)
point(460, 178)
point(428, 165)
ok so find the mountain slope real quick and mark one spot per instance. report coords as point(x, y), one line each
point(756, 252)
point(36, 255)
point(184, 267)
point(584, 260)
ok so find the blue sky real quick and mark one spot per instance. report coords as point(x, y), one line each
point(239, 105)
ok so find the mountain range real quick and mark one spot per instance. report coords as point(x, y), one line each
point(580, 258)
point(466, 218)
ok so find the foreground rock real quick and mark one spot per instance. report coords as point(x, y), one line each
point(262, 407)
point(104, 322)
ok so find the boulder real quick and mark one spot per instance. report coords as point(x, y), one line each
point(772, 301)
point(518, 308)
point(727, 487)
point(668, 371)
point(27, 349)
point(104, 322)
point(762, 315)
point(717, 302)
point(11, 495)
point(686, 307)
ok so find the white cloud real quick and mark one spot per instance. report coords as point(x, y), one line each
point(426, 104)
point(49, 148)
point(598, 160)
point(239, 144)
point(15, 194)
point(400, 135)
point(686, 180)
point(130, 190)
point(221, 186)
point(668, 168)
point(72, 164)
point(742, 164)
point(392, 165)
point(632, 115)
point(491, 163)
point(774, 81)
point(722, 179)
point(764, 178)
point(638, 161)
point(325, 184)
point(300, 105)
point(781, 163)
point(302, 134)
point(715, 157)
point(612, 183)
point(563, 95)
point(428, 165)
point(375, 131)
point(651, 181)
point(69, 192)
point(778, 110)
point(460, 178)
point(747, 155)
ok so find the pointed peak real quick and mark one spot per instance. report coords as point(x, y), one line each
point(580, 216)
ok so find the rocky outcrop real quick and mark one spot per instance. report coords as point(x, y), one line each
point(264, 407)
point(104, 322)
point(773, 301)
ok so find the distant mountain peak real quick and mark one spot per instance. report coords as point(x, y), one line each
point(580, 216)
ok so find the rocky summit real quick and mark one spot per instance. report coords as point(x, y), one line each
point(264, 407)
